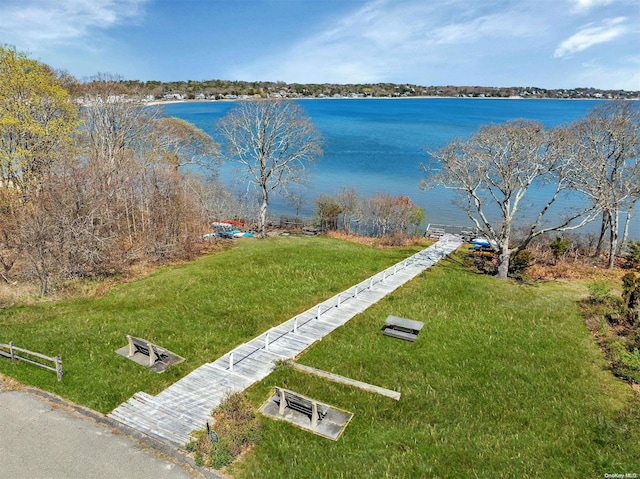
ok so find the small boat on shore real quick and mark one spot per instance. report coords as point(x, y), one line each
point(225, 229)
point(483, 243)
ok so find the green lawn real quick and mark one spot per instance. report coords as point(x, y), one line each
point(504, 380)
point(199, 310)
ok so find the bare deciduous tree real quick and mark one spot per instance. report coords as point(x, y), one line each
point(185, 144)
point(496, 169)
point(382, 212)
point(606, 143)
point(352, 207)
point(273, 142)
point(112, 123)
point(328, 212)
point(296, 200)
point(393, 214)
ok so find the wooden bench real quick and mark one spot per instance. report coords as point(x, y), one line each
point(315, 410)
point(153, 351)
point(402, 328)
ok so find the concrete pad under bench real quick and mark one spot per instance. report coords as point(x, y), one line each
point(148, 354)
point(329, 423)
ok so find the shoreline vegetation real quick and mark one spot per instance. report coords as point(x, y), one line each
point(234, 90)
point(210, 100)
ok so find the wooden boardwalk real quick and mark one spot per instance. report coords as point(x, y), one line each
point(187, 404)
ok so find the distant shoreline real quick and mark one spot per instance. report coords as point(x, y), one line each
point(168, 102)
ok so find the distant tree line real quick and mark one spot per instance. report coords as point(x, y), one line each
point(220, 89)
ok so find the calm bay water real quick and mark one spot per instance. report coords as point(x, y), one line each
point(377, 145)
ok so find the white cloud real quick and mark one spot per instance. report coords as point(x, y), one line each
point(384, 40)
point(591, 35)
point(498, 25)
point(36, 24)
point(586, 5)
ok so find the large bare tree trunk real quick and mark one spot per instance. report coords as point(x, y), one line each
point(604, 226)
point(613, 242)
point(627, 222)
point(262, 224)
point(503, 264)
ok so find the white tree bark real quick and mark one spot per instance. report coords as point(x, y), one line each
point(606, 143)
point(273, 142)
point(496, 169)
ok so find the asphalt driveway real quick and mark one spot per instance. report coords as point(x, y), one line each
point(41, 437)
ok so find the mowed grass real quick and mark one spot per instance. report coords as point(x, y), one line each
point(504, 381)
point(200, 310)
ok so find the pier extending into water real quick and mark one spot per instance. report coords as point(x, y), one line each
point(187, 404)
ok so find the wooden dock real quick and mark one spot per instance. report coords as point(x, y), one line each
point(187, 404)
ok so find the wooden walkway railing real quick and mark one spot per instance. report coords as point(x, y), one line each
point(187, 404)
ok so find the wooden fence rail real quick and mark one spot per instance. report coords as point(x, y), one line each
point(11, 352)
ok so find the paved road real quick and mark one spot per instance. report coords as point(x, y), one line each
point(39, 439)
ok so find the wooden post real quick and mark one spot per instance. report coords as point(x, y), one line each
point(153, 357)
point(355, 295)
point(131, 348)
point(338, 304)
point(230, 361)
point(314, 415)
point(318, 312)
point(295, 324)
point(59, 367)
point(371, 282)
point(11, 351)
point(266, 342)
point(282, 403)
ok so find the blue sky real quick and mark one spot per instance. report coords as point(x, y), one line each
point(543, 43)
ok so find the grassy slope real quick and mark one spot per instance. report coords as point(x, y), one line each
point(504, 381)
point(200, 311)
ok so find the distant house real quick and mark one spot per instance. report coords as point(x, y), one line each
point(200, 96)
point(174, 96)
